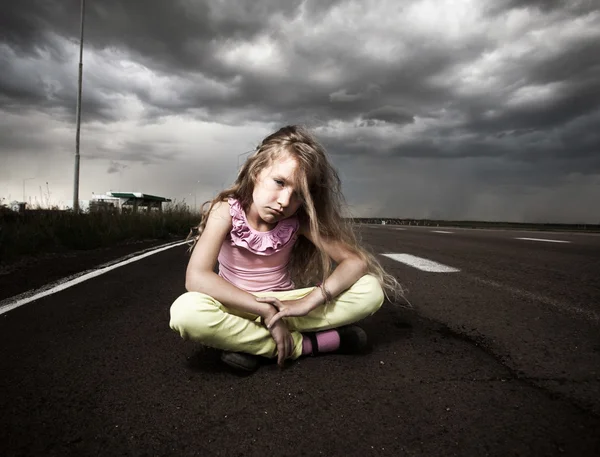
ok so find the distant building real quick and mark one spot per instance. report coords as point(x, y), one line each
point(134, 201)
point(18, 207)
point(120, 201)
point(104, 203)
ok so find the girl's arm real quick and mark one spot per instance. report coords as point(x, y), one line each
point(350, 268)
point(200, 276)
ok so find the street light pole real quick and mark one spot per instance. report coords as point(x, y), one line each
point(195, 193)
point(25, 179)
point(77, 135)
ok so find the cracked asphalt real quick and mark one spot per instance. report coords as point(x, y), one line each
point(500, 358)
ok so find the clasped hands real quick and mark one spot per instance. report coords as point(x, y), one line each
point(278, 328)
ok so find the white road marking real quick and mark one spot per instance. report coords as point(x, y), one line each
point(440, 231)
point(542, 239)
point(62, 284)
point(421, 263)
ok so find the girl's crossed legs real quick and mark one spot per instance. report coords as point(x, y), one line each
point(199, 317)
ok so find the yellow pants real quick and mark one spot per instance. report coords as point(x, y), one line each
point(199, 317)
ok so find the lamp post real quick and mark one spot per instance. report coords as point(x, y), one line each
point(25, 179)
point(76, 180)
point(195, 192)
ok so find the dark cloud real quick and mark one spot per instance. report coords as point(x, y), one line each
point(576, 64)
point(165, 34)
point(131, 151)
point(571, 8)
point(32, 84)
point(392, 114)
point(517, 86)
point(575, 7)
point(115, 167)
point(175, 39)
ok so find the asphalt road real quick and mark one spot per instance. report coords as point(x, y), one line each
point(501, 357)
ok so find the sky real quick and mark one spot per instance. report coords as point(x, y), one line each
point(436, 109)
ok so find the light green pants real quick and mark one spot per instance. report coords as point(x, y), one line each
point(199, 317)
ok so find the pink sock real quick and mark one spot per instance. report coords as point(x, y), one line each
point(328, 341)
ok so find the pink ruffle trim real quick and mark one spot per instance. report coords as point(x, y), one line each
point(262, 243)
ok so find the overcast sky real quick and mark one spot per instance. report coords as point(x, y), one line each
point(464, 109)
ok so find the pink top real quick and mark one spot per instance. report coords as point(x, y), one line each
point(257, 261)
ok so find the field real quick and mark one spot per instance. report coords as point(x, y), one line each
point(41, 231)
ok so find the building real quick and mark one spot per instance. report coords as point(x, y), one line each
point(132, 201)
point(104, 203)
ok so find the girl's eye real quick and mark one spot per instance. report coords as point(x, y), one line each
point(279, 182)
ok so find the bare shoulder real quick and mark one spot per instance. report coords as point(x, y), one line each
point(219, 214)
point(205, 253)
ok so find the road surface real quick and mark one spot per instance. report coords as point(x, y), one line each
point(499, 354)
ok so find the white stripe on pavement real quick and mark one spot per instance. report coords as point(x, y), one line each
point(421, 263)
point(62, 284)
point(542, 239)
point(440, 231)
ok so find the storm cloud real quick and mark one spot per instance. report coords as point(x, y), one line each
point(470, 109)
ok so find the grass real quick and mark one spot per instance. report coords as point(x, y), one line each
point(40, 231)
point(550, 226)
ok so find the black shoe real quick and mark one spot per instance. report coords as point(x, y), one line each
point(240, 360)
point(353, 339)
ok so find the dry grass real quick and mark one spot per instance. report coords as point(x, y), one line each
point(41, 231)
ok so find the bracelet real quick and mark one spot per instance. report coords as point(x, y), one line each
point(326, 294)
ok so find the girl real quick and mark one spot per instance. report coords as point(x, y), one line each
point(279, 227)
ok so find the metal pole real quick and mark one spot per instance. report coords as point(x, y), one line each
point(76, 181)
point(195, 193)
point(25, 179)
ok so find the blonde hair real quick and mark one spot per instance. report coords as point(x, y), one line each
point(319, 186)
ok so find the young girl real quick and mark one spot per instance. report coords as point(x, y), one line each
point(276, 234)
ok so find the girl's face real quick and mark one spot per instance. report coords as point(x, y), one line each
point(274, 196)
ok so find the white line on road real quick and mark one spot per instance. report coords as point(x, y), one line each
point(62, 284)
point(421, 263)
point(440, 231)
point(543, 239)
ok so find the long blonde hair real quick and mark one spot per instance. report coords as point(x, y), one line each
point(319, 186)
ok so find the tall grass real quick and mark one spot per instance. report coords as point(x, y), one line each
point(42, 231)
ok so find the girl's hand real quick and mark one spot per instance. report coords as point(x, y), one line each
point(286, 308)
point(283, 340)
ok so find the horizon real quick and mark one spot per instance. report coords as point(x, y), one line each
point(85, 205)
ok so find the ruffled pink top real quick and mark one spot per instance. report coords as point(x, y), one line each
point(257, 261)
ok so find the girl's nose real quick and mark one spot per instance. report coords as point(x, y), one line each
point(284, 199)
